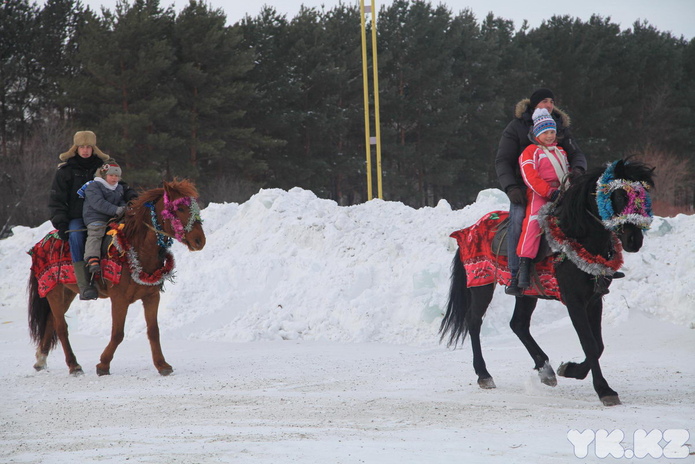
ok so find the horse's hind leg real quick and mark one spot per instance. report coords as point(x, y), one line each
point(60, 299)
point(520, 324)
point(45, 345)
point(480, 300)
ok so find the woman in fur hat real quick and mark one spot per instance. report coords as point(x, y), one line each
point(79, 165)
point(515, 138)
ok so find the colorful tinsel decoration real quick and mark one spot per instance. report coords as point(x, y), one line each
point(639, 208)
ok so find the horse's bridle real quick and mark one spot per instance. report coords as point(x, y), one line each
point(165, 239)
point(638, 210)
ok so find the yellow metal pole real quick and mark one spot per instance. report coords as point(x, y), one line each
point(365, 76)
point(376, 103)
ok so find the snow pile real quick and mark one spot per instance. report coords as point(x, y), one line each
point(288, 265)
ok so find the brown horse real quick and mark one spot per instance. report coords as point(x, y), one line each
point(142, 261)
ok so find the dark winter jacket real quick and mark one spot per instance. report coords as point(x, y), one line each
point(100, 202)
point(64, 203)
point(517, 136)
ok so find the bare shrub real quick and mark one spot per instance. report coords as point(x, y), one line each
point(674, 192)
point(27, 173)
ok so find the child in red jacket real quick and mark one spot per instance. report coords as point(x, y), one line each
point(544, 166)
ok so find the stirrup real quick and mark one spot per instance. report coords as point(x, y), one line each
point(89, 293)
point(514, 290)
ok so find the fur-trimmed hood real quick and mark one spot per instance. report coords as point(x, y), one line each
point(524, 107)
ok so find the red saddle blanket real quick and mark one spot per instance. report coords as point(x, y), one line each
point(485, 266)
point(51, 264)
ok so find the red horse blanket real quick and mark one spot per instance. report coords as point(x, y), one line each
point(51, 264)
point(485, 266)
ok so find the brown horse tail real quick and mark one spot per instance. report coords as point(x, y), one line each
point(39, 312)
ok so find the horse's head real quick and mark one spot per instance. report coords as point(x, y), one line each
point(623, 201)
point(181, 214)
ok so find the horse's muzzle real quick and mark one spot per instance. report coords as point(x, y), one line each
point(195, 239)
point(631, 238)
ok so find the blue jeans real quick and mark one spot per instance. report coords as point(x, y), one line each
point(516, 221)
point(77, 239)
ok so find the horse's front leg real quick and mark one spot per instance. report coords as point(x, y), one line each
point(581, 370)
point(151, 305)
point(520, 324)
point(586, 320)
point(119, 311)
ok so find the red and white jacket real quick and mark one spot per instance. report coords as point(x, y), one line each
point(538, 171)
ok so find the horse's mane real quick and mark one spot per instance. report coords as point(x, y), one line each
point(579, 201)
point(139, 215)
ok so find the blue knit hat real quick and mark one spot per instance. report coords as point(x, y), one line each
point(542, 122)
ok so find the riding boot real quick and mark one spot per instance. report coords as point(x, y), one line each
point(524, 273)
point(87, 290)
point(513, 288)
point(618, 275)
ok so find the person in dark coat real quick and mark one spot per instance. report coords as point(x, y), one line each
point(515, 138)
point(79, 165)
point(103, 200)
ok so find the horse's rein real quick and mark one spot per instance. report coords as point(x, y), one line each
point(157, 231)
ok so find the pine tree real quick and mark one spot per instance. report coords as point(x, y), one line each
point(124, 88)
point(213, 94)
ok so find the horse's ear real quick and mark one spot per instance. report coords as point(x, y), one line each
point(167, 188)
point(619, 169)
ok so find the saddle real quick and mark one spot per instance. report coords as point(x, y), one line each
point(483, 253)
point(499, 242)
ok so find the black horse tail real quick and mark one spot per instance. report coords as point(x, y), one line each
point(454, 322)
point(39, 312)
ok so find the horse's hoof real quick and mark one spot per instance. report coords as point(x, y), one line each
point(101, 371)
point(39, 367)
point(547, 375)
point(611, 400)
point(486, 383)
point(77, 372)
point(166, 371)
point(562, 369)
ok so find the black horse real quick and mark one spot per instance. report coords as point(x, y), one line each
point(600, 212)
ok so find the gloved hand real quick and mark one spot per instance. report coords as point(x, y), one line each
point(61, 223)
point(120, 211)
point(516, 195)
point(574, 173)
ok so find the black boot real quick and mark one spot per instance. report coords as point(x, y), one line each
point(87, 290)
point(513, 288)
point(524, 273)
point(618, 275)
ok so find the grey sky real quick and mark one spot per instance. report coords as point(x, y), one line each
point(676, 16)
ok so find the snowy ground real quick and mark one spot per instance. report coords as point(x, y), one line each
point(307, 332)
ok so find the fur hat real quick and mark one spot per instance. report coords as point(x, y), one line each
point(542, 122)
point(540, 95)
point(83, 138)
point(110, 168)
